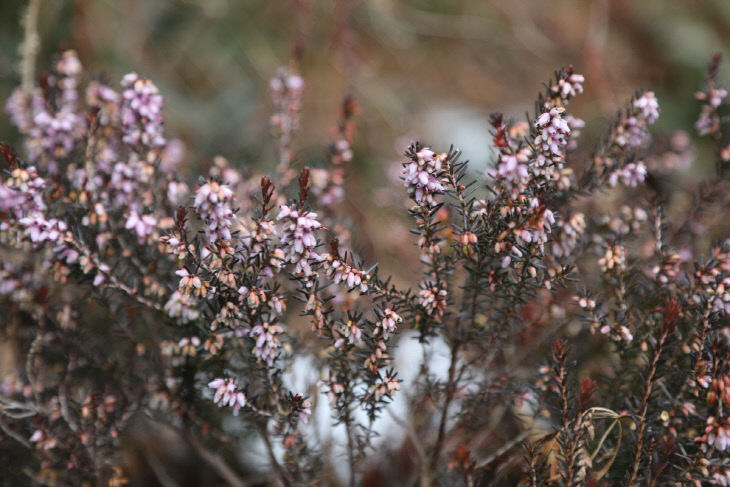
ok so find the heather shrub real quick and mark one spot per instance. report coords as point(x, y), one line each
point(557, 344)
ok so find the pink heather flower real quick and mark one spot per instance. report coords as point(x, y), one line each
point(614, 258)
point(56, 133)
point(537, 228)
point(569, 234)
point(388, 323)
point(721, 477)
point(36, 436)
point(228, 394)
point(633, 131)
point(183, 306)
point(647, 107)
point(352, 277)
point(717, 434)
point(286, 90)
point(513, 169)
point(39, 230)
point(553, 132)
point(351, 334)
point(305, 412)
point(51, 133)
point(626, 333)
point(386, 387)
point(69, 69)
point(422, 176)
point(575, 124)
point(189, 346)
point(706, 123)
point(101, 96)
point(25, 190)
point(286, 80)
point(20, 108)
point(714, 97)
point(267, 342)
point(141, 112)
point(631, 175)
point(689, 409)
point(433, 299)
point(298, 238)
point(187, 279)
point(101, 276)
point(277, 304)
point(192, 284)
point(141, 225)
point(213, 205)
point(571, 86)
point(10, 198)
point(172, 155)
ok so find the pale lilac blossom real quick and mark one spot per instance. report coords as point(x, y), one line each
point(213, 205)
point(141, 112)
point(267, 341)
point(553, 131)
point(632, 174)
point(388, 323)
point(228, 394)
point(298, 238)
point(142, 225)
point(422, 176)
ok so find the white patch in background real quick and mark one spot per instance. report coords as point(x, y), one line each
point(467, 129)
point(320, 432)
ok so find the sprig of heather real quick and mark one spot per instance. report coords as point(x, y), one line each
point(52, 125)
point(328, 183)
point(141, 112)
point(286, 90)
point(710, 122)
point(213, 205)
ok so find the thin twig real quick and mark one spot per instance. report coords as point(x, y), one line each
point(450, 389)
point(13, 434)
point(416, 442)
point(214, 461)
point(645, 408)
point(272, 456)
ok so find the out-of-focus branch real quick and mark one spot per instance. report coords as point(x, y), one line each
point(215, 462)
point(31, 44)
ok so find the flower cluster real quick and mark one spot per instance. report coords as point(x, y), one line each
point(51, 129)
point(267, 341)
point(631, 132)
point(141, 112)
point(433, 299)
point(213, 205)
point(286, 90)
point(553, 132)
point(568, 86)
point(299, 238)
point(388, 323)
point(386, 387)
point(341, 272)
point(228, 394)
point(632, 174)
point(422, 176)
